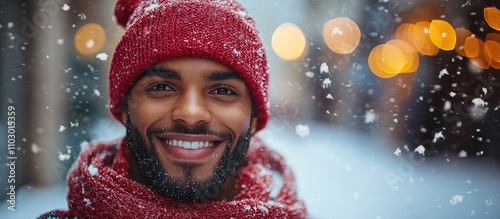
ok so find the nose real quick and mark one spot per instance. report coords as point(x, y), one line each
point(191, 109)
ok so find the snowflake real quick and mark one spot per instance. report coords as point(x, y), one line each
point(326, 83)
point(420, 149)
point(302, 130)
point(456, 199)
point(397, 152)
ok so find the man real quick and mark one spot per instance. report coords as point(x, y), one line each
point(189, 80)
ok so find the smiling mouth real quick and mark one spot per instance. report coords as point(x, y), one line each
point(192, 148)
point(192, 145)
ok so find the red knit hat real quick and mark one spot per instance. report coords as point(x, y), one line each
point(159, 30)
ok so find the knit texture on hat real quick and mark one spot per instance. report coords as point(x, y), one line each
point(100, 187)
point(159, 30)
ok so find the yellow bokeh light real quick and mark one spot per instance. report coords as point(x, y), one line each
point(288, 41)
point(341, 35)
point(90, 39)
point(411, 59)
point(462, 34)
point(492, 17)
point(386, 60)
point(442, 34)
point(420, 39)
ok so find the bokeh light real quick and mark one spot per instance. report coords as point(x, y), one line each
point(462, 34)
point(420, 39)
point(492, 51)
point(472, 46)
point(404, 31)
point(411, 58)
point(288, 41)
point(474, 50)
point(492, 17)
point(341, 35)
point(442, 34)
point(90, 39)
point(386, 60)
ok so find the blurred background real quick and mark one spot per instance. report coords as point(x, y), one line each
point(371, 131)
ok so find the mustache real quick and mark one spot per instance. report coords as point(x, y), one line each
point(195, 130)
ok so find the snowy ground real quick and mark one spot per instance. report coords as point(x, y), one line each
point(343, 174)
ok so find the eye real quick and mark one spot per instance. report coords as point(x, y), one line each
point(159, 87)
point(223, 91)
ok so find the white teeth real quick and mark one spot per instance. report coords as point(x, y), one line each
point(195, 145)
point(190, 145)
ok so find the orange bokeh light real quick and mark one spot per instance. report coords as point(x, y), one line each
point(492, 50)
point(462, 34)
point(90, 39)
point(411, 58)
point(442, 34)
point(474, 50)
point(472, 46)
point(420, 39)
point(386, 60)
point(341, 35)
point(492, 17)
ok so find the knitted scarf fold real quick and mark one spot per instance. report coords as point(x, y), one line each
point(99, 187)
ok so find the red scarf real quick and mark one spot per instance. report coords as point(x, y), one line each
point(99, 187)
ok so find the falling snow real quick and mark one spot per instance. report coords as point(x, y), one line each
point(61, 128)
point(65, 7)
point(324, 68)
point(35, 148)
point(456, 199)
point(420, 149)
point(443, 73)
point(437, 136)
point(310, 74)
point(302, 130)
point(102, 56)
point(479, 102)
point(326, 83)
point(370, 116)
point(397, 152)
point(336, 31)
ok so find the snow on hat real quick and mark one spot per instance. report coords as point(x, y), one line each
point(159, 30)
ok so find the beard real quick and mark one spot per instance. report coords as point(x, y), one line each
point(185, 188)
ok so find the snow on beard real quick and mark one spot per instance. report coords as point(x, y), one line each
point(187, 189)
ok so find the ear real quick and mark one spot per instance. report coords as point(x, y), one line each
point(254, 124)
point(124, 116)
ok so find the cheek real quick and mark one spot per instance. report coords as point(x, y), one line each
point(143, 114)
point(236, 117)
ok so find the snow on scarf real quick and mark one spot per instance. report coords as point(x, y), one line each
point(99, 187)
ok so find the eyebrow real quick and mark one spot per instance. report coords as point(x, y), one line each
point(162, 72)
point(220, 76)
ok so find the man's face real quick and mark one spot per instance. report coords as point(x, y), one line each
point(188, 125)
